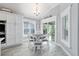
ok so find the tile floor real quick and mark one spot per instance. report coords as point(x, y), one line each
point(23, 50)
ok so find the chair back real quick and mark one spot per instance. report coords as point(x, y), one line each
point(44, 37)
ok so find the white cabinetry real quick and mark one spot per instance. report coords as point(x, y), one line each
point(3, 15)
point(18, 29)
point(0, 48)
point(0, 45)
point(13, 28)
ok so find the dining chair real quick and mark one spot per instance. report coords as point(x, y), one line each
point(45, 41)
point(31, 40)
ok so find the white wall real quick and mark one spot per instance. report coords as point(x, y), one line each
point(73, 50)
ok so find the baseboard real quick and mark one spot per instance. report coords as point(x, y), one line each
point(64, 50)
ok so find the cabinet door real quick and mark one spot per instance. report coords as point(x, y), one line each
point(10, 34)
point(18, 29)
point(0, 48)
point(11, 30)
point(3, 15)
point(11, 18)
point(18, 33)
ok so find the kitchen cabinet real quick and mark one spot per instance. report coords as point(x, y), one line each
point(0, 45)
point(13, 28)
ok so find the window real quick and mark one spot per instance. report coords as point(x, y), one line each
point(28, 28)
point(45, 28)
point(65, 22)
point(65, 19)
point(31, 28)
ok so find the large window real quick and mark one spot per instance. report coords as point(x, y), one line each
point(28, 28)
point(65, 29)
point(65, 18)
point(49, 28)
point(31, 28)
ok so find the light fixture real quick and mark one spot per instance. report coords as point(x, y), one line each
point(36, 9)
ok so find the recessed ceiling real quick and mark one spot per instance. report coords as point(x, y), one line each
point(26, 9)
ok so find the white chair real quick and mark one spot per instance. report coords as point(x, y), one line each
point(31, 39)
point(45, 41)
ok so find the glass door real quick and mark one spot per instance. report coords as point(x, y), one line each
point(49, 28)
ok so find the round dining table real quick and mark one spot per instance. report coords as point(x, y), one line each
point(38, 39)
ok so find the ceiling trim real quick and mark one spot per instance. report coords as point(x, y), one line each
point(48, 11)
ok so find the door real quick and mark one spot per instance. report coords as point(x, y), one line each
point(49, 27)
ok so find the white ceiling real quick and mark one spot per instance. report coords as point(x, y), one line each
point(26, 9)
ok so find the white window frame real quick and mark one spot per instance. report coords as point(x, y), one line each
point(65, 12)
point(29, 21)
point(50, 20)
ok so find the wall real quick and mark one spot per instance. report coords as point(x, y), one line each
point(74, 28)
point(78, 29)
point(73, 50)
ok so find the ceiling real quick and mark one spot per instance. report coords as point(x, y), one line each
point(26, 9)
